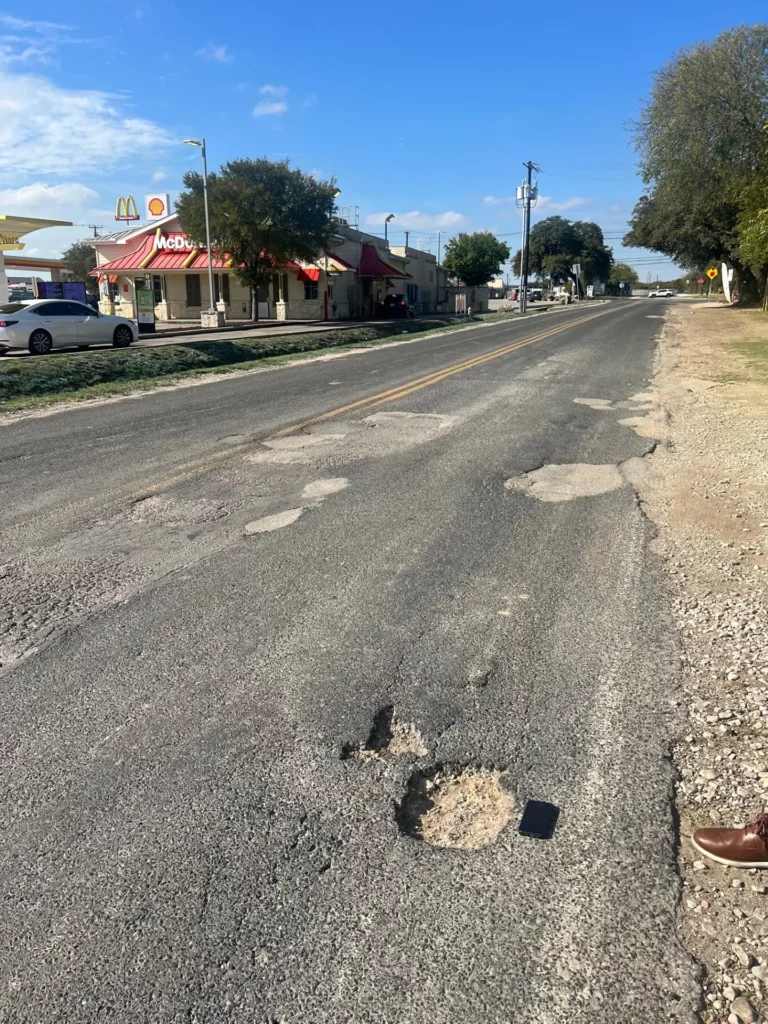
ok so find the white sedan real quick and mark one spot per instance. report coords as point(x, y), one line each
point(60, 323)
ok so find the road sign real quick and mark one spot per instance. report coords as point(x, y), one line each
point(622, 284)
point(711, 273)
point(576, 269)
point(700, 281)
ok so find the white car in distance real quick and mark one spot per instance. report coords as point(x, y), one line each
point(60, 323)
point(661, 293)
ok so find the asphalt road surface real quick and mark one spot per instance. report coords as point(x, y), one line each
point(215, 596)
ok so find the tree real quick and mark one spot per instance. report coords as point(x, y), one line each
point(700, 143)
point(263, 214)
point(623, 272)
point(753, 233)
point(80, 260)
point(475, 259)
point(556, 244)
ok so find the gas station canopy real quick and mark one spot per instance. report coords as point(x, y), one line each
point(12, 228)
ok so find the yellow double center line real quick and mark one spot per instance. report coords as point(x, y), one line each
point(409, 387)
point(197, 467)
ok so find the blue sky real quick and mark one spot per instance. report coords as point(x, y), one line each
point(425, 110)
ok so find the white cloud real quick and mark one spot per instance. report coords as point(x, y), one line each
point(309, 100)
point(266, 109)
point(273, 90)
point(48, 130)
point(24, 25)
point(159, 176)
point(417, 221)
point(544, 202)
point(60, 202)
point(214, 52)
point(240, 86)
point(70, 201)
point(559, 206)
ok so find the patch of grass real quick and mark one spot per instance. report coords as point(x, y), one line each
point(41, 380)
point(755, 354)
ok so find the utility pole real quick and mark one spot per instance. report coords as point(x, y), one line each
point(95, 228)
point(527, 194)
point(407, 236)
point(439, 234)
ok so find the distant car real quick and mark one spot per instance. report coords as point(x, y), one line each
point(56, 323)
point(394, 306)
point(661, 293)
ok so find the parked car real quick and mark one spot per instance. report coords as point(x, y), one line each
point(661, 293)
point(47, 324)
point(394, 306)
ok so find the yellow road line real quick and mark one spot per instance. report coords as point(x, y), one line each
point(196, 467)
point(408, 387)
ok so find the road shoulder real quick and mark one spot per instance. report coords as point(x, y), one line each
point(706, 489)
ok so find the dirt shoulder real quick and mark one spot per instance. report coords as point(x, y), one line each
point(706, 488)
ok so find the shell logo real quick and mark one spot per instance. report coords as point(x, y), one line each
point(156, 206)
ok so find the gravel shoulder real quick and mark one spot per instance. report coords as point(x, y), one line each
point(706, 489)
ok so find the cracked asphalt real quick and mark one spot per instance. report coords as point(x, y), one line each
point(204, 609)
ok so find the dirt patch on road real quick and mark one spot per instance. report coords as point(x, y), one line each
point(463, 809)
point(706, 487)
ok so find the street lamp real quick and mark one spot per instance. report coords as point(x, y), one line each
point(201, 144)
point(386, 222)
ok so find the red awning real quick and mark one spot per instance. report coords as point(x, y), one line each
point(112, 278)
point(371, 265)
point(309, 274)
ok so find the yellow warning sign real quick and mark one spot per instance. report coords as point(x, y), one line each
point(711, 273)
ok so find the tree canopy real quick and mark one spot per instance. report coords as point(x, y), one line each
point(557, 244)
point(264, 214)
point(700, 142)
point(80, 260)
point(623, 272)
point(477, 258)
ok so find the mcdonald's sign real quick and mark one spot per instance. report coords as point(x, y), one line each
point(126, 209)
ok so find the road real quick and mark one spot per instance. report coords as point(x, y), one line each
point(216, 597)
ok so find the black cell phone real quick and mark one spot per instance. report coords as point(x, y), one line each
point(539, 819)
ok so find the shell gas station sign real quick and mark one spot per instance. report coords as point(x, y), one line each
point(158, 205)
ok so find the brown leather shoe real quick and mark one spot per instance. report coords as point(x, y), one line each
point(737, 847)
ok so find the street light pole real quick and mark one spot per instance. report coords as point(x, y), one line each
point(201, 144)
point(386, 223)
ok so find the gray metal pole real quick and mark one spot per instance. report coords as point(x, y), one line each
point(208, 232)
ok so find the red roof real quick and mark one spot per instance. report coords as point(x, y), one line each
point(371, 265)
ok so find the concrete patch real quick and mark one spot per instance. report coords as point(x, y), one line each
point(632, 421)
point(566, 482)
point(274, 522)
point(319, 489)
point(461, 809)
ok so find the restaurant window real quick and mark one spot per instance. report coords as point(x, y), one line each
point(157, 288)
point(221, 287)
point(310, 289)
point(193, 289)
point(114, 290)
point(413, 293)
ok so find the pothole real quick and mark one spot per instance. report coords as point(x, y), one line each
point(566, 482)
point(457, 808)
point(160, 510)
point(275, 522)
point(388, 735)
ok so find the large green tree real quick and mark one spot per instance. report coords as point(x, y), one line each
point(753, 233)
point(263, 214)
point(80, 260)
point(700, 142)
point(557, 244)
point(477, 258)
point(623, 272)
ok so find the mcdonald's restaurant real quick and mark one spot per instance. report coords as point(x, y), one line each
point(350, 281)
